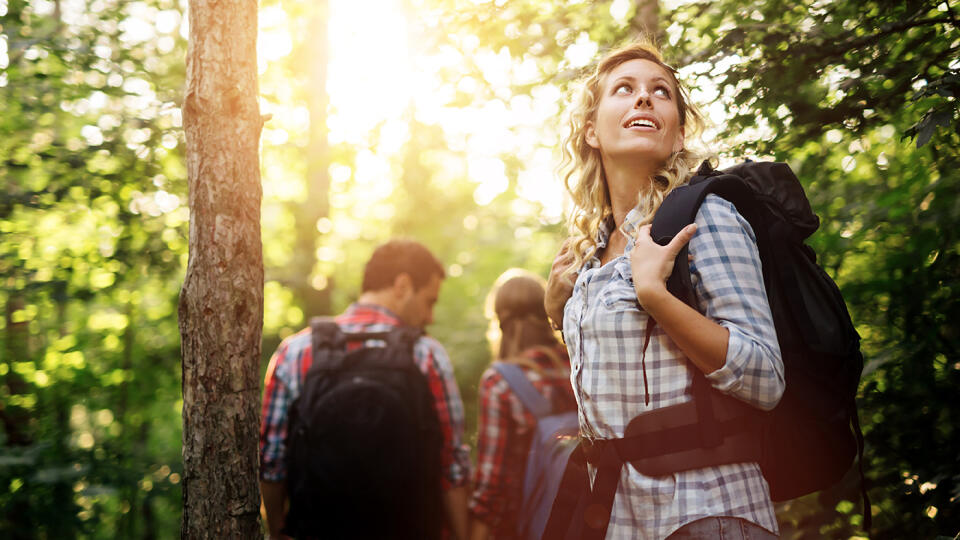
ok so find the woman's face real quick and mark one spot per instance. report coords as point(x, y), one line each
point(637, 114)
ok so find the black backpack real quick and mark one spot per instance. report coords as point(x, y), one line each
point(810, 439)
point(364, 442)
point(812, 436)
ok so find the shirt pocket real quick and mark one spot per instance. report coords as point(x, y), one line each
point(618, 293)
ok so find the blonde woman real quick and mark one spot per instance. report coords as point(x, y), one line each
point(523, 337)
point(634, 348)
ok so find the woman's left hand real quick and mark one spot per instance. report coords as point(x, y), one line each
point(651, 263)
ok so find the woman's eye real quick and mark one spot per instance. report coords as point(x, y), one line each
point(662, 91)
point(622, 90)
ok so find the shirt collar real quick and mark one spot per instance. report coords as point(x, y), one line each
point(604, 231)
point(374, 313)
point(630, 223)
point(629, 227)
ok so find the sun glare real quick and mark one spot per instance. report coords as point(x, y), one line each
point(379, 78)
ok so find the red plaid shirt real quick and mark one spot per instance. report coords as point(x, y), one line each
point(293, 358)
point(503, 439)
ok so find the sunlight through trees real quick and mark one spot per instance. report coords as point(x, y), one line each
point(442, 120)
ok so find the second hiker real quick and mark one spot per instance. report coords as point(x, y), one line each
point(506, 425)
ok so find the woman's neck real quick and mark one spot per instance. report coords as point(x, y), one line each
point(625, 182)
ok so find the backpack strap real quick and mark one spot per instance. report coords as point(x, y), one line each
point(325, 335)
point(524, 389)
point(400, 337)
point(679, 209)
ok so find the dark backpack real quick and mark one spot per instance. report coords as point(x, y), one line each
point(810, 439)
point(554, 439)
point(364, 441)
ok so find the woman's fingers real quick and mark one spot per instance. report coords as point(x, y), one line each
point(651, 263)
point(681, 239)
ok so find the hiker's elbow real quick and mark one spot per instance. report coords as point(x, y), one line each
point(772, 393)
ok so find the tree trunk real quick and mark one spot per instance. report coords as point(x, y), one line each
point(314, 302)
point(645, 22)
point(16, 420)
point(221, 303)
point(130, 491)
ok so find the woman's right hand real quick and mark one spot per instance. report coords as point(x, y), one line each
point(559, 284)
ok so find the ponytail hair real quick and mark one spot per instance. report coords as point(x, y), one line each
point(518, 321)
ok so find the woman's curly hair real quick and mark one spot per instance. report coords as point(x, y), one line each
point(582, 167)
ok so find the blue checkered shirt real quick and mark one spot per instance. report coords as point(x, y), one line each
point(604, 331)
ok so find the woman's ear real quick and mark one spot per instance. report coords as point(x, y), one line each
point(590, 135)
point(678, 144)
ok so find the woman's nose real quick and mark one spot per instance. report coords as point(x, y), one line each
point(643, 98)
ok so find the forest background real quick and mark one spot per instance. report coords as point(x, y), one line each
point(441, 120)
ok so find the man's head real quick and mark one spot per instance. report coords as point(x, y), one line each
point(403, 276)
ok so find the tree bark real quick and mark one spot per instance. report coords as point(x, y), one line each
point(221, 303)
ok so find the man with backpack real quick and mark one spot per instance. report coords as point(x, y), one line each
point(338, 461)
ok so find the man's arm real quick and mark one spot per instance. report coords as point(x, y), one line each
point(277, 398)
point(455, 503)
point(274, 495)
point(455, 455)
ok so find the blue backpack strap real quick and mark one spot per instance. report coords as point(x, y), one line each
point(524, 389)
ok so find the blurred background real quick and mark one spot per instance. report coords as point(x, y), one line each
point(441, 120)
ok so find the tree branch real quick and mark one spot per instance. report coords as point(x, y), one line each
point(893, 28)
point(953, 16)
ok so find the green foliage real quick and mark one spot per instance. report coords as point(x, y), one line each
point(859, 97)
point(93, 237)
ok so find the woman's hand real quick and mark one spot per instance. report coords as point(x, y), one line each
point(559, 284)
point(651, 263)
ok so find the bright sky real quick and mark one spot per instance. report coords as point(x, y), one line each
point(380, 74)
point(374, 85)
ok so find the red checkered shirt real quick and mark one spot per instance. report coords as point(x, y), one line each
point(288, 369)
point(503, 439)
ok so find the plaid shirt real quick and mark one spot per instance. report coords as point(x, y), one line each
point(288, 369)
point(604, 328)
point(503, 440)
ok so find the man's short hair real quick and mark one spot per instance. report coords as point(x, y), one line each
point(400, 256)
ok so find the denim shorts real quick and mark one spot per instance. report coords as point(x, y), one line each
point(721, 528)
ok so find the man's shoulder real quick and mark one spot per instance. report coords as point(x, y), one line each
point(289, 355)
point(430, 342)
point(295, 343)
point(427, 345)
